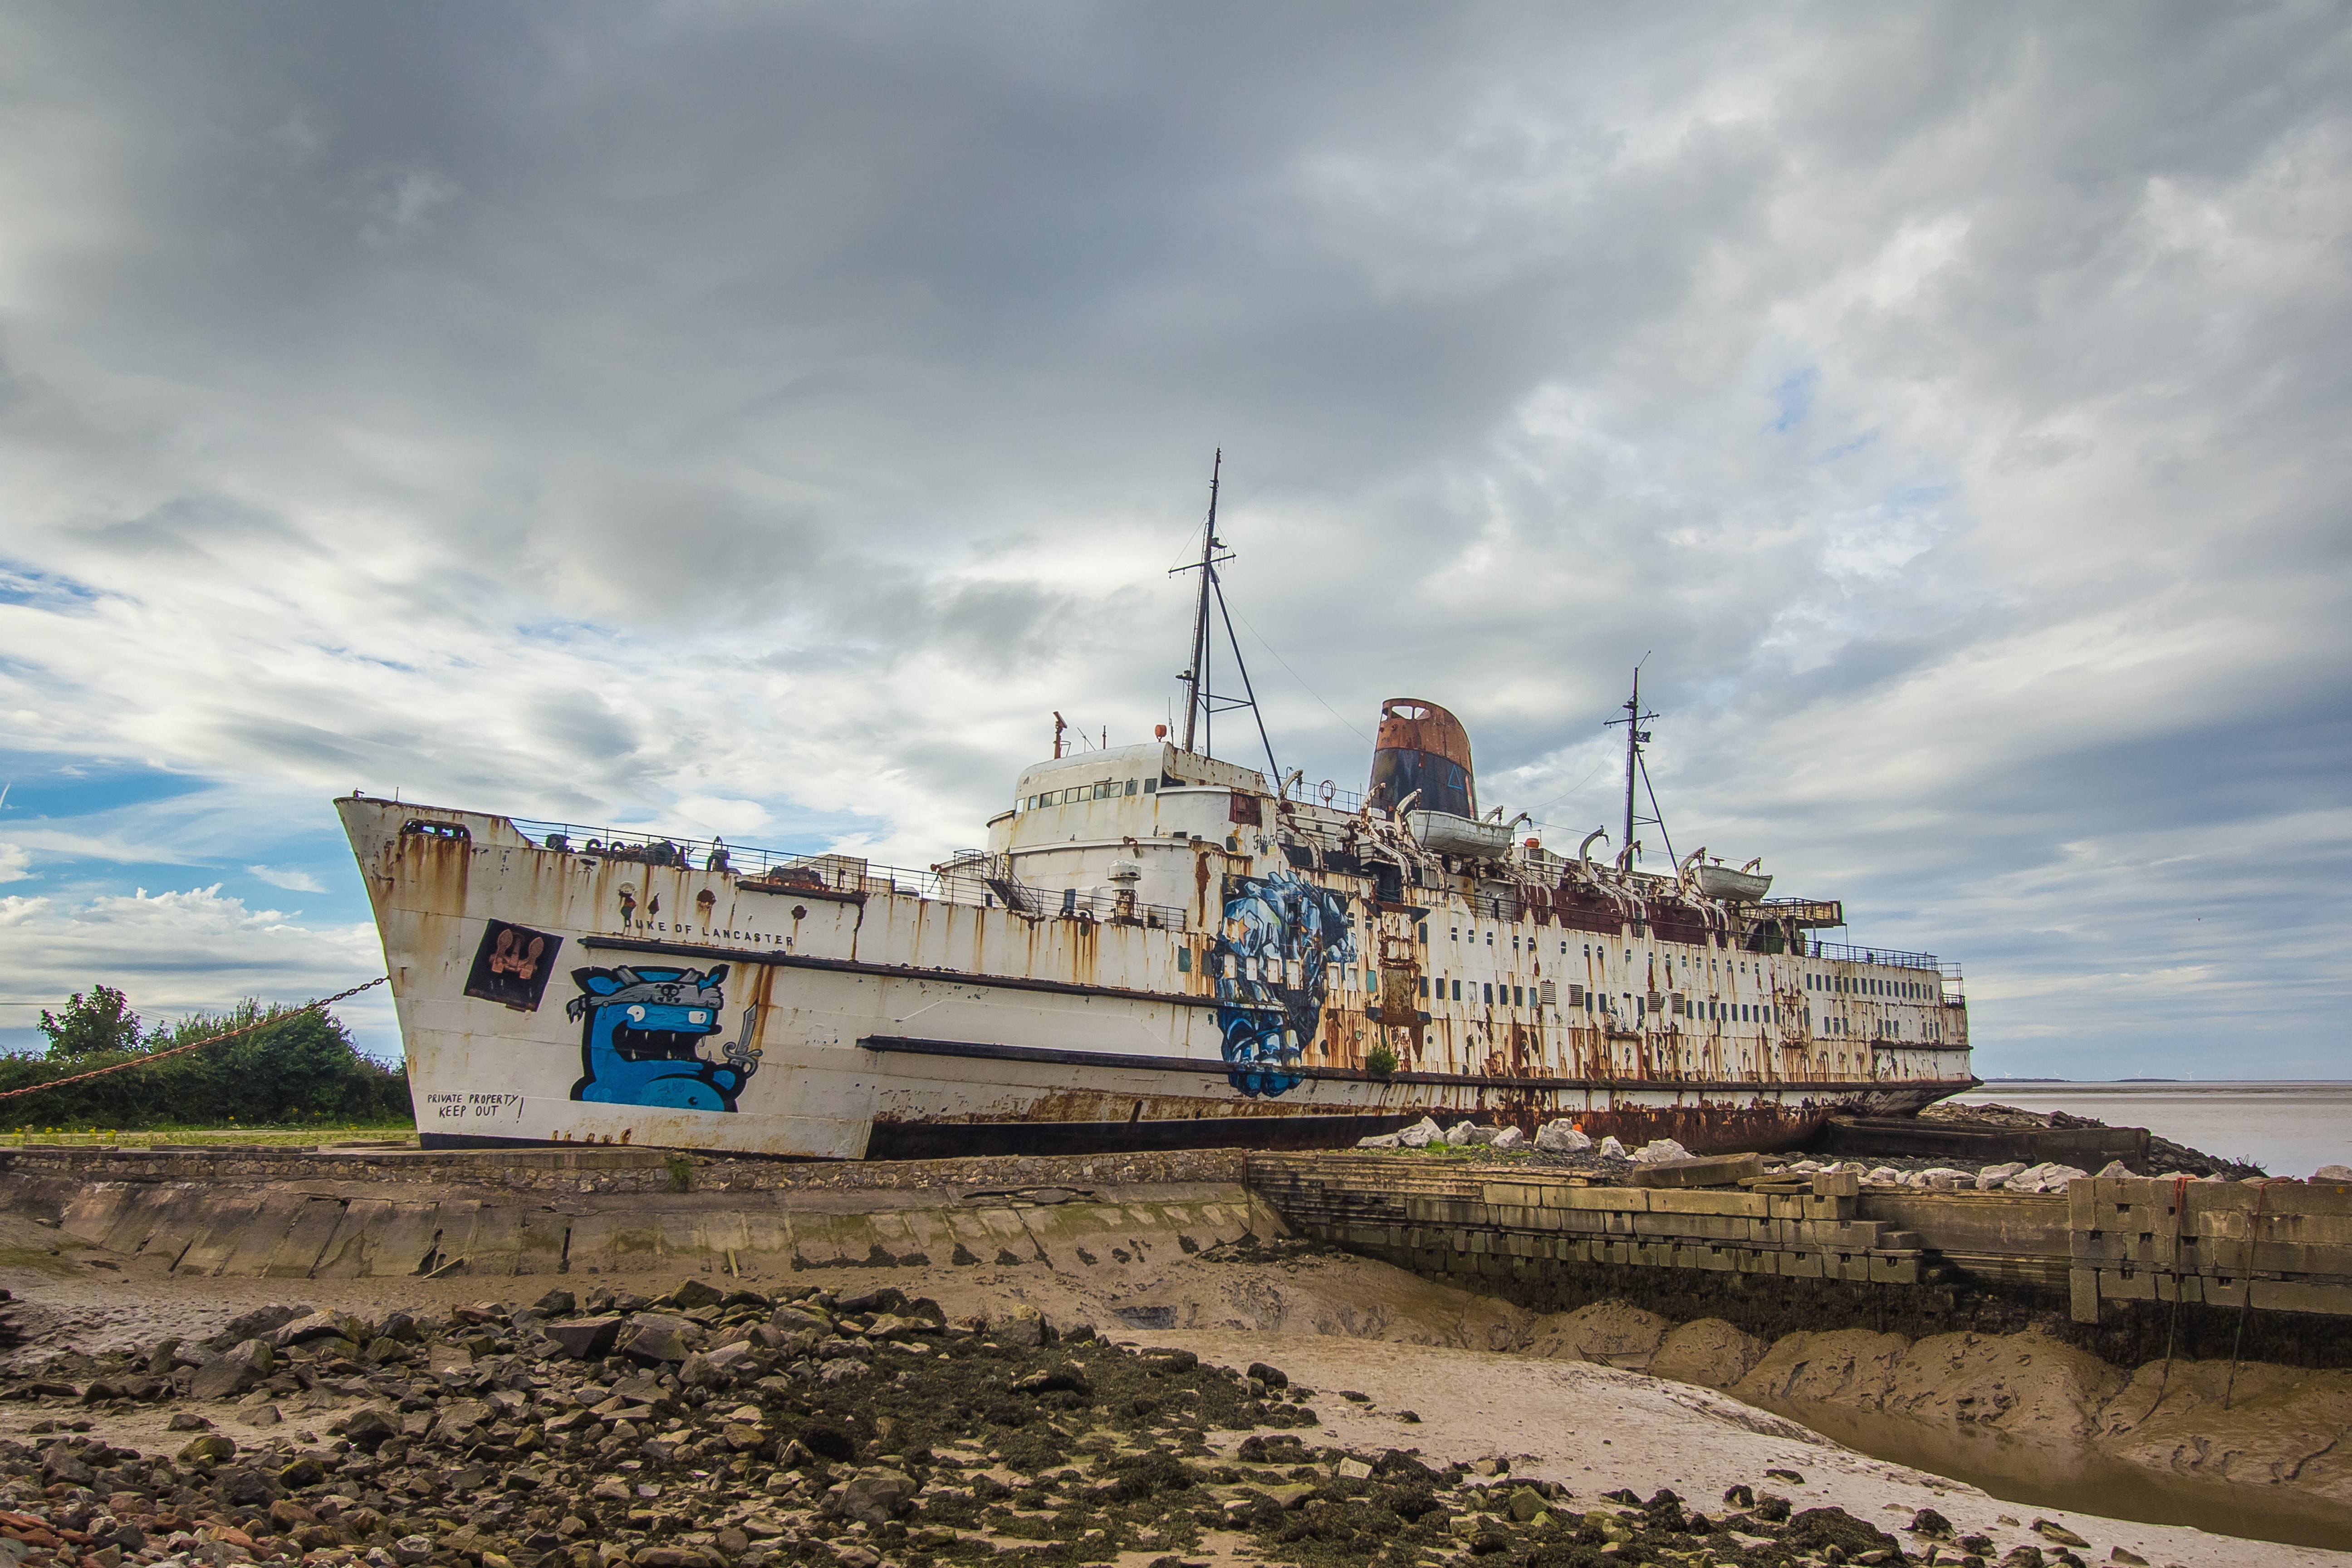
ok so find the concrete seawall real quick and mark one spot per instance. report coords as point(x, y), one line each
point(272, 1213)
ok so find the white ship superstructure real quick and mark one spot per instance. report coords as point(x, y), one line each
point(1156, 948)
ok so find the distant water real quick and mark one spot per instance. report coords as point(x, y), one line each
point(2289, 1128)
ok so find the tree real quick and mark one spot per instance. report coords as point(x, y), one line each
point(102, 1021)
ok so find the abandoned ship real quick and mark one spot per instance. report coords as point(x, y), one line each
point(1156, 948)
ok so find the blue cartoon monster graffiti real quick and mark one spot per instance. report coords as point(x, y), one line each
point(1282, 938)
point(642, 1040)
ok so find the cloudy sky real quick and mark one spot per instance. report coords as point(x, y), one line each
point(759, 418)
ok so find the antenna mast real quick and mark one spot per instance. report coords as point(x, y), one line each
point(1196, 674)
point(1637, 772)
point(1201, 701)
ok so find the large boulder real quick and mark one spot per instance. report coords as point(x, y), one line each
point(875, 1496)
point(1508, 1138)
point(1612, 1150)
point(656, 1337)
point(327, 1325)
point(258, 1322)
point(235, 1370)
point(588, 1338)
point(1419, 1135)
point(369, 1428)
point(1659, 1150)
point(1024, 1327)
point(1561, 1138)
point(718, 1368)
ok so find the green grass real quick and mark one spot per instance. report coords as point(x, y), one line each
point(292, 1135)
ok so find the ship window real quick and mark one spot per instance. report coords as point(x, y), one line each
point(1150, 787)
point(1424, 986)
point(1457, 933)
point(1490, 993)
point(1458, 990)
point(1518, 997)
point(1425, 933)
point(1184, 961)
point(1130, 786)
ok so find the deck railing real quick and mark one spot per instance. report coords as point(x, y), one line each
point(969, 878)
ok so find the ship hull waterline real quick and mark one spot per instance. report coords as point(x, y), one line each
point(933, 1030)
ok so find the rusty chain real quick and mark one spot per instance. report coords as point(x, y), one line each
point(195, 1044)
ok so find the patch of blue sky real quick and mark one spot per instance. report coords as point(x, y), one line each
point(1847, 449)
point(46, 787)
point(353, 655)
point(1795, 396)
point(21, 584)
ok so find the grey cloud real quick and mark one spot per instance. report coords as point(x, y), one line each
point(601, 409)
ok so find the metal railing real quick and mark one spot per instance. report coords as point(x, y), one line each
point(1850, 952)
point(969, 878)
point(1325, 794)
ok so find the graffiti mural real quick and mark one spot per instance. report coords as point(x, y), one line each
point(1282, 938)
point(646, 1038)
point(512, 965)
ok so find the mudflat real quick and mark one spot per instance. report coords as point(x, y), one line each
point(1512, 1429)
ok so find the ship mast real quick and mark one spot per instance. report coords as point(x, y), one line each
point(1201, 701)
point(1196, 674)
point(1637, 774)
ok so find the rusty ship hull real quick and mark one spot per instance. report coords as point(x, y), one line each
point(1156, 949)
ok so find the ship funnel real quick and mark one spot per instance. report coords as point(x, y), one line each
point(1422, 750)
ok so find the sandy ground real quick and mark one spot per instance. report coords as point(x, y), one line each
point(1487, 1379)
point(1595, 1428)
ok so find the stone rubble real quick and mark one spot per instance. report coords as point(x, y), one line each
point(716, 1427)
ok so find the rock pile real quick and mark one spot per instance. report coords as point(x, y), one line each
point(708, 1429)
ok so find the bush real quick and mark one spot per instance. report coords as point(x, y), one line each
point(1380, 1061)
point(301, 1068)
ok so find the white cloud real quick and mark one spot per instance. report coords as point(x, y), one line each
point(15, 864)
point(292, 881)
point(177, 953)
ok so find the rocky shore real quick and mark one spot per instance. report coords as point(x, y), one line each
point(736, 1426)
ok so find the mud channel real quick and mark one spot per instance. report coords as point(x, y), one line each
point(1995, 1432)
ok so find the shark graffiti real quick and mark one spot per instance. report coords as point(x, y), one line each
point(646, 1038)
point(1282, 938)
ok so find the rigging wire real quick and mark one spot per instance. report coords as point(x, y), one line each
point(1302, 680)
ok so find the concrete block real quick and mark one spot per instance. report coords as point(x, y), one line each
point(1710, 1201)
point(1704, 1171)
point(2083, 1295)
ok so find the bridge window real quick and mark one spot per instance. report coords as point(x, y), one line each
point(1458, 990)
point(1150, 787)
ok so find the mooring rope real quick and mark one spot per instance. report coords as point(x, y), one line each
point(195, 1044)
